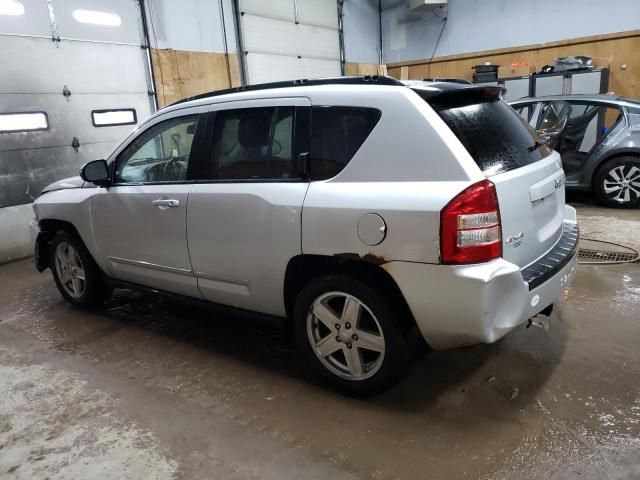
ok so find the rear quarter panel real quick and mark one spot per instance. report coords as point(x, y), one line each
point(411, 211)
point(623, 140)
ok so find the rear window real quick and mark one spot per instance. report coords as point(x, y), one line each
point(494, 134)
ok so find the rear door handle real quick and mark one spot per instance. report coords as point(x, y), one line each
point(166, 202)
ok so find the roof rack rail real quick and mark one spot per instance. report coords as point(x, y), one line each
point(350, 80)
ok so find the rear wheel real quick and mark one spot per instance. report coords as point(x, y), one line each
point(617, 183)
point(350, 335)
point(77, 277)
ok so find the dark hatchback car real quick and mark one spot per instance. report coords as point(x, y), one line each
point(598, 138)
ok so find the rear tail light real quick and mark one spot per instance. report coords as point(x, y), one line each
point(470, 230)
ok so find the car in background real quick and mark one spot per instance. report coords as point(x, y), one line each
point(598, 138)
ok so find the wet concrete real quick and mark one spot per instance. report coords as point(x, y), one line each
point(154, 387)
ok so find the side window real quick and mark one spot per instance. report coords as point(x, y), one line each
point(252, 143)
point(554, 115)
point(159, 154)
point(336, 135)
point(523, 111)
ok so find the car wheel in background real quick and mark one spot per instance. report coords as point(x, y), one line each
point(617, 182)
point(77, 276)
point(350, 335)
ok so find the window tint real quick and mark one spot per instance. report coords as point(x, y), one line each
point(524, 111)
point(336, 135)
point(554, 115)
point(588, 125)
point(160, 154)
point(252, 143)
point(494, 134)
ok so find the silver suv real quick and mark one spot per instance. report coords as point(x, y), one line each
point(373, 215)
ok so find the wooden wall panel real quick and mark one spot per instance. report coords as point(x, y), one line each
point(612, 50)
point(180, 74)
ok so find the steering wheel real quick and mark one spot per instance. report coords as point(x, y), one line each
point(174, 169)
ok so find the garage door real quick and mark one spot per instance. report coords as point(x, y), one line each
point(73, 82)
point(290, 39)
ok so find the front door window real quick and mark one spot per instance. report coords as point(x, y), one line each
point(160, 154)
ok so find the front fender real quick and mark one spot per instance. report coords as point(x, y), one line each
point(41, 251)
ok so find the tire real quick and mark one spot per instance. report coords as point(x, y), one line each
point(77, 276)
point(363, 357)
point(617, 183)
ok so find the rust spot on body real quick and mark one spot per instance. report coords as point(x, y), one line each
point(369, 258)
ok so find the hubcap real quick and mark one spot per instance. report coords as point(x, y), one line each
point(70, 270)
point(345, 335)
point(622, 183)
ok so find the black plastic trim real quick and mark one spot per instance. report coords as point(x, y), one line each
point(547, 266)
point(355, 80)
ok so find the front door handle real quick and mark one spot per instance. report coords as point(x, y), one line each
point(166, 202)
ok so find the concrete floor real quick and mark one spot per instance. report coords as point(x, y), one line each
point(152, 387)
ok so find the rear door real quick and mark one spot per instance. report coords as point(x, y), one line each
point(527, 174)
point(244, 215)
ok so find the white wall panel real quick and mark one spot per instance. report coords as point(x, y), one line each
point(278, 48)
point(34, 20)
point(192, 25)
point(45, 67)
point(272, 68)
point(476, 25)
point(361, 25)
point(322, 13)
point(280, 9)
point(69, 118)
point(69, 28)
point(15, 234)
point(264, 35)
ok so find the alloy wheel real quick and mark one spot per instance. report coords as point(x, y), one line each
point(622, 183)
point(345, 336)
point(70, 270)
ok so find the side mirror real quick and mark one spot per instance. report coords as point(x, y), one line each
point(96, 172)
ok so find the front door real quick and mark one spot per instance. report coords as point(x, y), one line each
point(245, 208)
point(140, 221)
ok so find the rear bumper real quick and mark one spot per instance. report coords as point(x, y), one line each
point(465, 305)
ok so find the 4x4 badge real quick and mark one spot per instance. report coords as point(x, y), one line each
point(516, 237)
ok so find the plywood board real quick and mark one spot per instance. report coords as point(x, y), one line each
point(180, 74)
point(614, 51)
point(364, 69)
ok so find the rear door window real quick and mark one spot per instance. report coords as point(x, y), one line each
point(252, 144)
point(337, 133)
point(493, 133)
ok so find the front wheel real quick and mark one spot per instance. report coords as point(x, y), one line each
point(77, 276)
point(617, 183)
point(350, 335)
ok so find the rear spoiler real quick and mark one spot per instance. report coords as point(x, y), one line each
point(444, 99)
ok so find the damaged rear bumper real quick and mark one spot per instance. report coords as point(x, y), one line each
point(464, 305)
